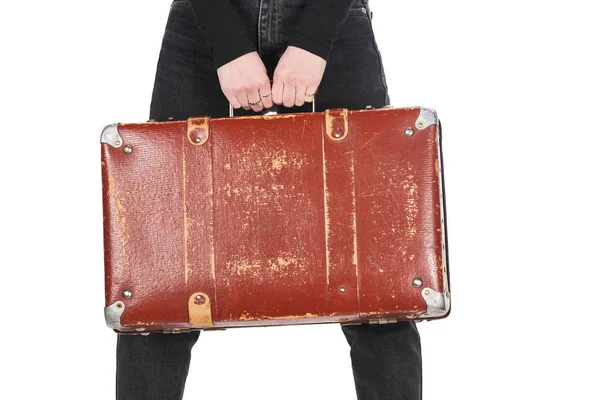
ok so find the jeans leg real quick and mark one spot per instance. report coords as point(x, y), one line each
point(386, 360)
point(153, 367)
point(186, 82)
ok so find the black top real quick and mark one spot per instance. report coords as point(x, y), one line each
point(315, 29)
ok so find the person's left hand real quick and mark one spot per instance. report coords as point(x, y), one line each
point(297, 77)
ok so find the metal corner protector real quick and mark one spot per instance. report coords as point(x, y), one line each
point(427, 117)
point(113, 313)
point(438, 303)
point(110, 135)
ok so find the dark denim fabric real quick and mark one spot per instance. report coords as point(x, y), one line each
point(386, 359)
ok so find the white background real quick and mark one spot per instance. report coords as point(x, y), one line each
point(516, 86)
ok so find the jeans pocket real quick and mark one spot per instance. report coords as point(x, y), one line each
point(177, 3)
point(182, 28)
point(360, 11)
point(355, 27)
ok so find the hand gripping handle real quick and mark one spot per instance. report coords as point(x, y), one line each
point(273, 110)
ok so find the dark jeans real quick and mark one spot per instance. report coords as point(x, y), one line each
point(386, 359)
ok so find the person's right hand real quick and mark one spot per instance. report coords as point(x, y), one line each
point(245, 80)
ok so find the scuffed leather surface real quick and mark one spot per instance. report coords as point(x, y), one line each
point(398, 212)
point(270, 217)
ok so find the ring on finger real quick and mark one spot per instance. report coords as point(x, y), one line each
point(253, 103)
point(266, 95)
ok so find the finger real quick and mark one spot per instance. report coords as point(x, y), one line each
point(254, 100)
point(243, 99)
point(277, 91)
point(300, 92)
point(233, 101)
point(265, 94)
point(289, 95)
point(311, 92)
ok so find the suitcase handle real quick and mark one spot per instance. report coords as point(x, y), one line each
point(273, 110)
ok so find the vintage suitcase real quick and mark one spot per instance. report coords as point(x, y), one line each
point(334, 216)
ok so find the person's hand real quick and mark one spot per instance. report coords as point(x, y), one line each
point(245, 80)
point(297, 77)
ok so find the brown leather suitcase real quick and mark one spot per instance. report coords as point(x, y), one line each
point(334, 216)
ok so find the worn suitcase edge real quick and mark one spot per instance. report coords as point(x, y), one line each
point(445, 252)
